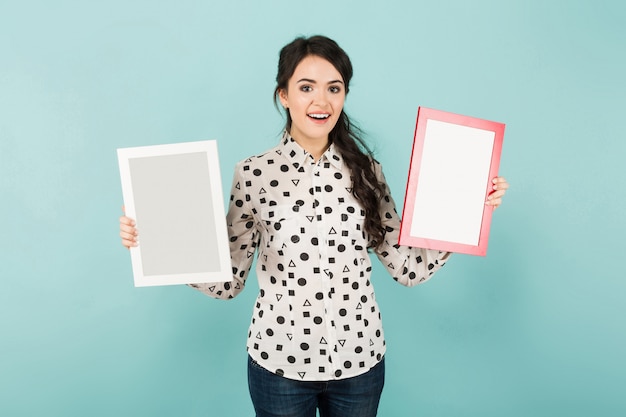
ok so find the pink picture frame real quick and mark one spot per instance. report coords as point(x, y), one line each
point(453, 161)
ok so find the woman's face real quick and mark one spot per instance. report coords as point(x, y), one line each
point(314, 98)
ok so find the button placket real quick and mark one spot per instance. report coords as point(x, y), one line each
point(323, 230)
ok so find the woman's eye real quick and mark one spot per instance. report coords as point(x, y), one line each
point(306, 88)
point(334, 89)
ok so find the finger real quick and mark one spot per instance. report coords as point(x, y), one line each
point(495, 202)
point(128, 240)
point(127, 221)
point(496, 194)
point(128, 236)
point(129, 243)
point(130, 230)
point(500, 183)
point(495, 198)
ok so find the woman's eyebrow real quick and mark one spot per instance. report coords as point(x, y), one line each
point(308, 80)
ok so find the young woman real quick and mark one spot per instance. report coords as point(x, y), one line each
point(313, 206)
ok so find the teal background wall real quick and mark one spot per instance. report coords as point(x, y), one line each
point(535, 328)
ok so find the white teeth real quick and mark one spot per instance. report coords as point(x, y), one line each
point(319, 116)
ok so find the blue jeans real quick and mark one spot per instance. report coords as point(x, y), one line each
point(276, 396)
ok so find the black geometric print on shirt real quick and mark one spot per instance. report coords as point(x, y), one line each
point(313, 268)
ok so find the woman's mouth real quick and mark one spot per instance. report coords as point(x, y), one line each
point(318, 117)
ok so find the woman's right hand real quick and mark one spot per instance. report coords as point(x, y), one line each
point(128, 232)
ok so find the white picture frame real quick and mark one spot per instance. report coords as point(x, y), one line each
point(174, 194)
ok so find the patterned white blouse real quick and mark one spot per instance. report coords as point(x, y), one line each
point(316, 317)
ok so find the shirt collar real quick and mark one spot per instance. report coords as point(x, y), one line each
point(298, 156)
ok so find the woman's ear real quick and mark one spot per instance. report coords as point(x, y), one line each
point(282, 96)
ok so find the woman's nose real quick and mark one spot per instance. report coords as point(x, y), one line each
point(320, 98)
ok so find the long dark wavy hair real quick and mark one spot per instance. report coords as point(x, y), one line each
point(344, 136)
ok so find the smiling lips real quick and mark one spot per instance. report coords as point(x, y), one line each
point(319, 118)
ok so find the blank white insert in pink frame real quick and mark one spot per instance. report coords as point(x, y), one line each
point(450, 197)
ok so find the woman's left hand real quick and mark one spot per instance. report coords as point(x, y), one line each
point(499, 189)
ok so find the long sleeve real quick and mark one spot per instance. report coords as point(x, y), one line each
point(407, 265)
point(243, 235)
